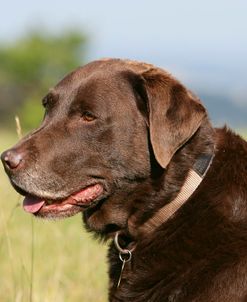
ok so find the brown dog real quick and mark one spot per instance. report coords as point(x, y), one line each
point(130, 147)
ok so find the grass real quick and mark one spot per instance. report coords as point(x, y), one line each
point(45, 261)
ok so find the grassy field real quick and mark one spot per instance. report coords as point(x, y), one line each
point(44, 261)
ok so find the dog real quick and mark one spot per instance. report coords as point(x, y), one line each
point(133, 150)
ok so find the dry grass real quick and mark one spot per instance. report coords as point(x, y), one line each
point(68, 265)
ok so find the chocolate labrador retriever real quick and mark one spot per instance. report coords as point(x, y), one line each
point(132, 149)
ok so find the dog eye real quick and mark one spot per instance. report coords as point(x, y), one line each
point(87, 116)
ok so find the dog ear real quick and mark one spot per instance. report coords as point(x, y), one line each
point(174, 113)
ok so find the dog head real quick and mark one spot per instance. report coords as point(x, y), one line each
point(106, 126)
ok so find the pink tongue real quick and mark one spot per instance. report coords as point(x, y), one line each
point(32, 204)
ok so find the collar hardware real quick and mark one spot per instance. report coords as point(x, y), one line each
point(125, 255)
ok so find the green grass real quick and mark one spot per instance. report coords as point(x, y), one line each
point(68, 265)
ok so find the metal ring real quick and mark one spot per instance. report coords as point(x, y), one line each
point(121, 250)
point(129, 254)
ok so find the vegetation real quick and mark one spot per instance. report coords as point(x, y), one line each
point(68, 265)
point(30, 66)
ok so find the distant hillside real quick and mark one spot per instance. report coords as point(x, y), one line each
point(223, 110)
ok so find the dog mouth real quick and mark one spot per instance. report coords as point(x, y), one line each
point(67, 207)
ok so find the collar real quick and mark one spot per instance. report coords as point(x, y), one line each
point(193, 180)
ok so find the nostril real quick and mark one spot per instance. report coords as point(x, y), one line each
point(11, 159)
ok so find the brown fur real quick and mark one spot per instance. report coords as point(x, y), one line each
point(148, 133)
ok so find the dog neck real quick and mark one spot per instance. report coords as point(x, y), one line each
point(194, 177)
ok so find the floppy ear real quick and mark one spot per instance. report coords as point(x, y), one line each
point(174, 114)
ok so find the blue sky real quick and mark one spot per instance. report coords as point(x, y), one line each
point(204, 43)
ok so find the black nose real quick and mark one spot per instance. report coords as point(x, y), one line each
point(11, 159)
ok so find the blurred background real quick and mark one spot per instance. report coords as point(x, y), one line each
point(204, 44)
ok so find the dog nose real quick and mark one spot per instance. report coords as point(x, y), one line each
point(11, 159)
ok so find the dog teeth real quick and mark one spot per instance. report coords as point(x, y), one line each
point(49, 202)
